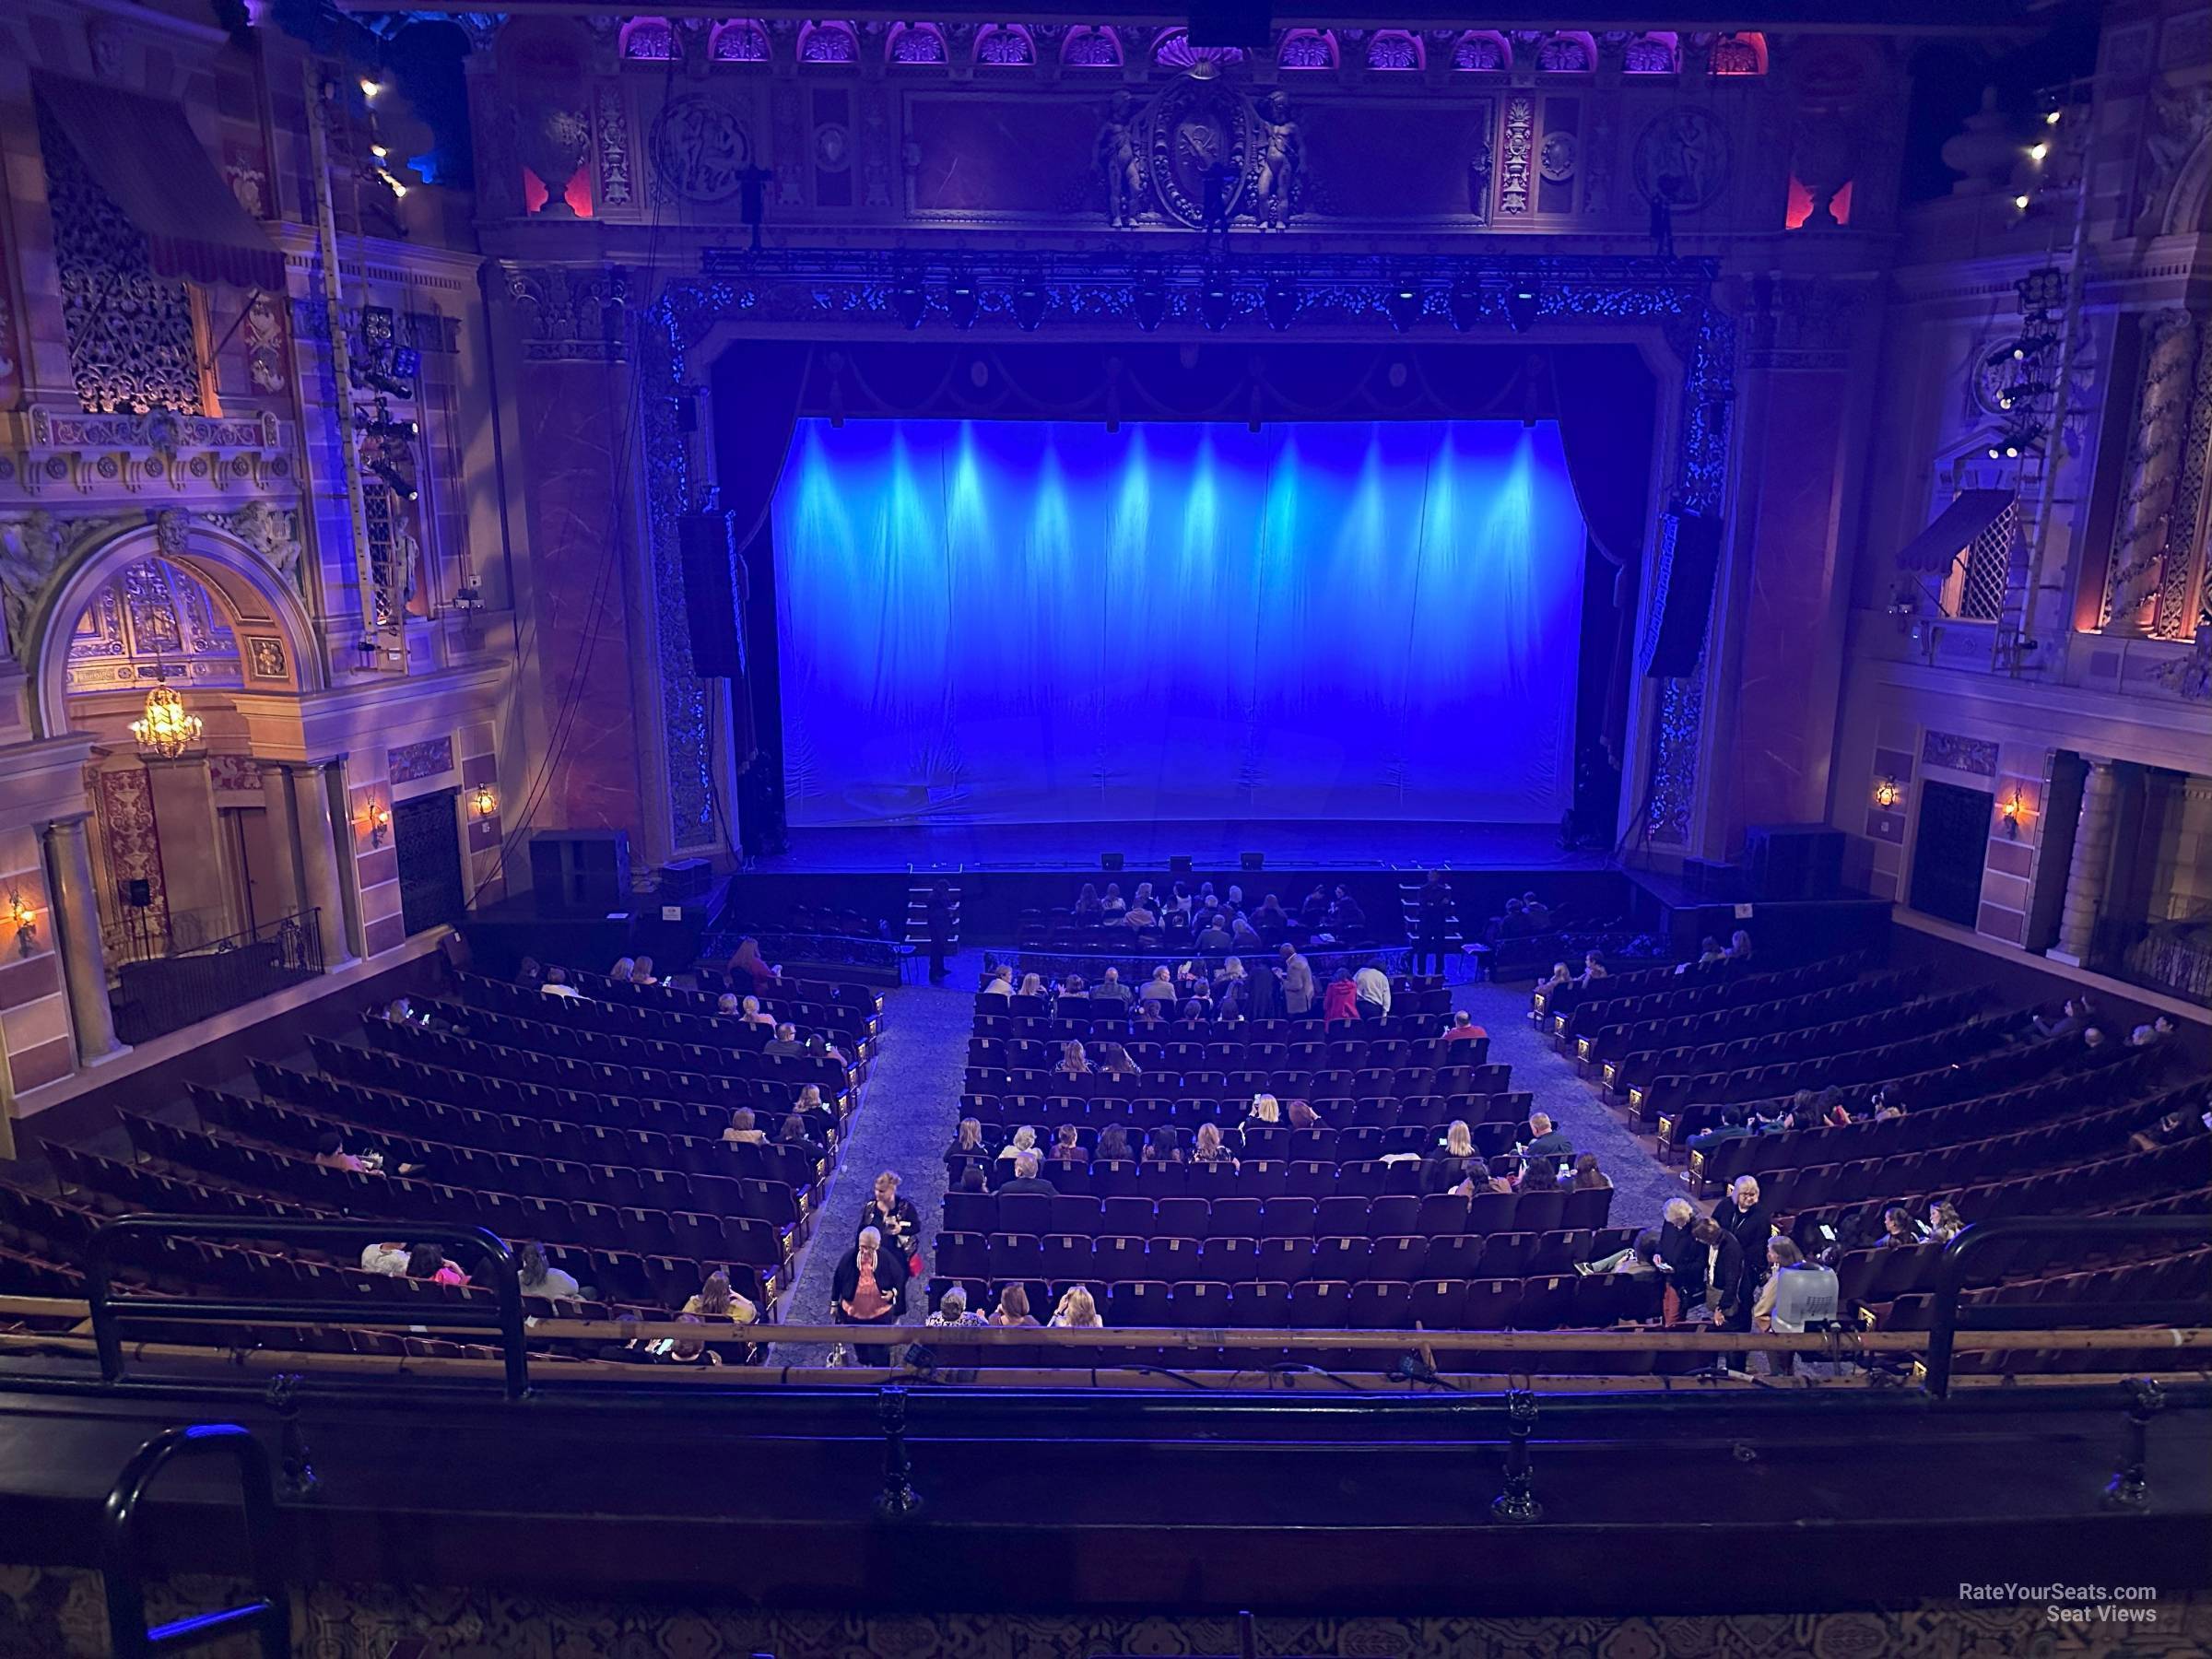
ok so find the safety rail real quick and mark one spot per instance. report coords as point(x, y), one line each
point(123, 1563)
point(109, 1311)
point(1948, 1317)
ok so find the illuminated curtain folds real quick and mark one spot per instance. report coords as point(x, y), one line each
point(1034, 621)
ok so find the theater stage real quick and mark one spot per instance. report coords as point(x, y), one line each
point(1213, 846)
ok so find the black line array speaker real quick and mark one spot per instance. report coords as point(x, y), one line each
point(580, 871)
point(1674, 624)
point(714, 593)
point(1792, 860)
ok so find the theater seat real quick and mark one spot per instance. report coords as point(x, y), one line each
point(1320, 1305)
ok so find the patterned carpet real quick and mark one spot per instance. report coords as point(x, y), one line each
point(1640, 1184)
point(909, 1108)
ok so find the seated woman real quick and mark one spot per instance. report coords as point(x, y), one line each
point(1557, 977)
point(1162, 1145)
point(1074, 1062)
point(1152, 1016)
point(1114, 904)
point(750, 1011)
point(1113, 1145)
point(1001, 983)
point(539, 1276)
point(1078, 1311)
point(1032, 984)
point(642, 973)
point(1114, 1061)
point(1943, 1224)
point(1087, 905)
point(1449, 1165)
point(1067, 1148)
point(1014, 1309)
point(821, 1121)
point(1588, 1177)
point(746, 965)
point(953, 1309)
point(1024, 1140)
point(428, 1262)
point(624, 967)
point(967, 1142)
point(1265, 1112)
point(1539, 1175)
point(1298, 1115)
point(741, 1131)
point(796, 1133)
point(716, 1300)
point(1207, 1148)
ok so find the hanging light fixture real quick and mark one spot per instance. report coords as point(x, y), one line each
point(165, 729)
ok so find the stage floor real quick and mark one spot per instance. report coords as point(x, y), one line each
point(1213, 846)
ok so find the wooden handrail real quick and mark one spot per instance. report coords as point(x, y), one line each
point(1187, 1338)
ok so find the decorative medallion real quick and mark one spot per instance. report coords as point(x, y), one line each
point(700, 150)
point(1556, 158)
point(1682, 158)
point(1196, 132)
point(265, 656)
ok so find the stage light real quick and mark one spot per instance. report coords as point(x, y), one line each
point(2038, 151)
point(1149, 305)
point(2051, 118)
point(1464, 305)
point(1110, 861)
point(1523, 300)
point(2021, 202)
point(1404, 304)
point(1028, 306)
point(1281, 305)
point(394, 479)
point(961, 299)
point(370, 89)
point(909, 302)
point(1213, 303)
point(380, 152)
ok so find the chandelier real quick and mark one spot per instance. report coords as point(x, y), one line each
point(165, 729)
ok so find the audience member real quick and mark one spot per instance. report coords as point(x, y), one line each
point(1032, 984)
point(1898, 1227)
point(716, 1300)
point(1024, 1139)
point(741, 1131)
point(1207, 1148)
point(539, 1277)
point(1340, 1000)
point(1077, 1310)
point(785, 1043)
point(1214, 934)
point(1113, 1145)
point(1746, 1220)
point(1026, 1179)
point(1001, 983)
point(388, 1259)
point(1161, 987)
point(1114, 904)
point(1371, 987)
point(746, 965)
point(428, 1262)
point(1588, 1177)
point(1540, 1175)
point(1302, 1116)
point(1296, 977)
point(1115, 1061)
point(642, 973)
point(1087, 907)
point(1558, 977)
point(1074, 1062)
point(866, 1290)
point(1068, 1147)
point(556, 982)
point(1943, 1224)
point(1593, 971)
point(896, 1219)
point(1723, 1271)
point(1014, 1309)
point(1544, 1141)
point(1270, 918)
point(953, 1309)
point(1463, 1029)
point(1111, 989)
point(621, 970)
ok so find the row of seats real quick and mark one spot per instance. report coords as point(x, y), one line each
point(1842, 1067)
point(1638, 1052)
point(779, 1082)
point(1395, 1120)
point(1543, 1303)
point(848, 1008)
point(1070, 1258)
point(1291, 1215)
point(1718, 1064)
point(761, 1234)
point(399, 1108)
point(1574, 1015)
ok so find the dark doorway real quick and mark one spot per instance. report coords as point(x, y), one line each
point(427, 831)
point(1950, 851)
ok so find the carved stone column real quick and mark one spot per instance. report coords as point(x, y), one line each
point(2086, 871)
point(2154, 469)
point(77, 929)
point(319, 868)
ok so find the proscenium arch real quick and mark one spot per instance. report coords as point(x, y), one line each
point(255, 595)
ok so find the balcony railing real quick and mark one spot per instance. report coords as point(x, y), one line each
point(164, 994)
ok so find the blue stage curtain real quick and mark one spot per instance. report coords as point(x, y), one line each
point(1033, 621)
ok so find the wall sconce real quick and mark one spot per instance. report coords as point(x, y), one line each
point(2012, 808)
point(484, 801)
point(1886, 794)
point(380, 823)
point(26, 920)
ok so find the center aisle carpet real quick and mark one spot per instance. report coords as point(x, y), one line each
point(909, 1108)
point(1640, 1184)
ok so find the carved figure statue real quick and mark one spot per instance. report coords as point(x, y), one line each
point(1282, 162)
point(30, 551)
point(270, 532)
point(1118, 162)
